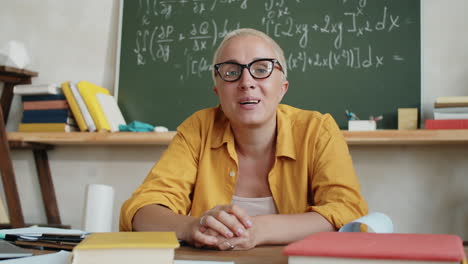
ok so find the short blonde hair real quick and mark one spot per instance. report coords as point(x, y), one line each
point(252, 32)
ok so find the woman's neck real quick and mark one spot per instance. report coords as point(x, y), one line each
point(257, 141)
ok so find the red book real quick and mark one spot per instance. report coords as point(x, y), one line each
point(447, 124)
point(336, 247)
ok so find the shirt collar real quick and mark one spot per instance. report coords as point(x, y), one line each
point(285, 145)
point(222, 132)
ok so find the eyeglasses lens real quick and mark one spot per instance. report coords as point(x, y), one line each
point(259, 69)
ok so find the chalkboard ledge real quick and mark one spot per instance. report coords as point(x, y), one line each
point(379, 137)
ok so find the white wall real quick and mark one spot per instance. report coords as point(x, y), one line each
point(423, 188)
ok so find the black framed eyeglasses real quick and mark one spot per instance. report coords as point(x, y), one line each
point(258, 69)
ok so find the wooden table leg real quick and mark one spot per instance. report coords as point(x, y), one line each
point(8, 178)
point(5, 101)
point(47, 186)
point(7, 95)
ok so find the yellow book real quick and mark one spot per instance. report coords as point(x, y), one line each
point(89, 91)
point(46, 127)
point(452, 99)
point(74, 106)
point(126, 247)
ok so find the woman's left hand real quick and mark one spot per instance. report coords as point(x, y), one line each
point(247, 240)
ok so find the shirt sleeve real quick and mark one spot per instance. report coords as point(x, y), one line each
point(170, 182)
point(334, 184)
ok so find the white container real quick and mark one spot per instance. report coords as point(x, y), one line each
point(362, 125)
point(98, 208)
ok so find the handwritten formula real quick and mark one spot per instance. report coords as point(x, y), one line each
point(325, 39)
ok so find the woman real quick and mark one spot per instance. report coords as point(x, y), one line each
point(250, 171)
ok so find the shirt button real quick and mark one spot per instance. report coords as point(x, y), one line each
point(232, 174)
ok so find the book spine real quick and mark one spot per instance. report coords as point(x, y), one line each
point(452, 99)
point(89, 91)
point(44, 105)
point(448, 105)
point(46, 127)
point(88, 119)
point(34, 90)
point(447, 124)
point(28, 98)
point(74, 106)
point(439, 116)
point(45, 116)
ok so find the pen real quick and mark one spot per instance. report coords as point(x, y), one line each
point(351, 116)
point(376, 118)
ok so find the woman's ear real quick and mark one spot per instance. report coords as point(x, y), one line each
point(215, 90)
point(284, 88)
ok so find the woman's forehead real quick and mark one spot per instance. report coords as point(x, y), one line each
point(246, 47)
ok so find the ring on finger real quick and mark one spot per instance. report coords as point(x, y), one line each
point(202, 220)
point(231, 246)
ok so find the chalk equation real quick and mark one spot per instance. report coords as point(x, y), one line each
point(183, 34)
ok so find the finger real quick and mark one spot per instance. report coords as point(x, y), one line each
point(240, 214)
point(227, 244)
point(204, 239)
point(211, 232)
point(219, 223)
point(235, 243)
point(231, 222)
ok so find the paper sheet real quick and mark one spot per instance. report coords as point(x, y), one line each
point(61, 257)
point(375, 221)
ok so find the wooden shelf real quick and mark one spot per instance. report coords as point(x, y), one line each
point(86, 138)
point(407, 137)
point(379, 137)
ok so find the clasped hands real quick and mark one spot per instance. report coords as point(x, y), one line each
point(225, 227)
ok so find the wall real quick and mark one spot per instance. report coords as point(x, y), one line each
point(423, 188)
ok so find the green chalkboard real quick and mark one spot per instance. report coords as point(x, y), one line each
point(359, 55)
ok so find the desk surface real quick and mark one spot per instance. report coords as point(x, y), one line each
point(259, 255)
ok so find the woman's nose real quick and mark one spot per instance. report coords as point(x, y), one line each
point(246, 80)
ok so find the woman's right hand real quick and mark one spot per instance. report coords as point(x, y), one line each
point(227, 220)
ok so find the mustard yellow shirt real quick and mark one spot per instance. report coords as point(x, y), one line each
point(313, 170)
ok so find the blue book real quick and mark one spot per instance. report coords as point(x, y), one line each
point(46, 116)
point(42, 97)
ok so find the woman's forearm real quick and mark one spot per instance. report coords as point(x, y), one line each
point(284, 229)
point(159, 218)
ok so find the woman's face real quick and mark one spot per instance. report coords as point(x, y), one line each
point(250, 102)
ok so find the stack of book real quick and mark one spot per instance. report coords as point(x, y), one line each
point(357, 248)
point(45, 109)
point(127, 247)
point(93, 107)
point(450, 112)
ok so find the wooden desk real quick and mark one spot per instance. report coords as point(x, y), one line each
point(259, 255)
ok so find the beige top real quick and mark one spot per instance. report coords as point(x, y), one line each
point(256, 206)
